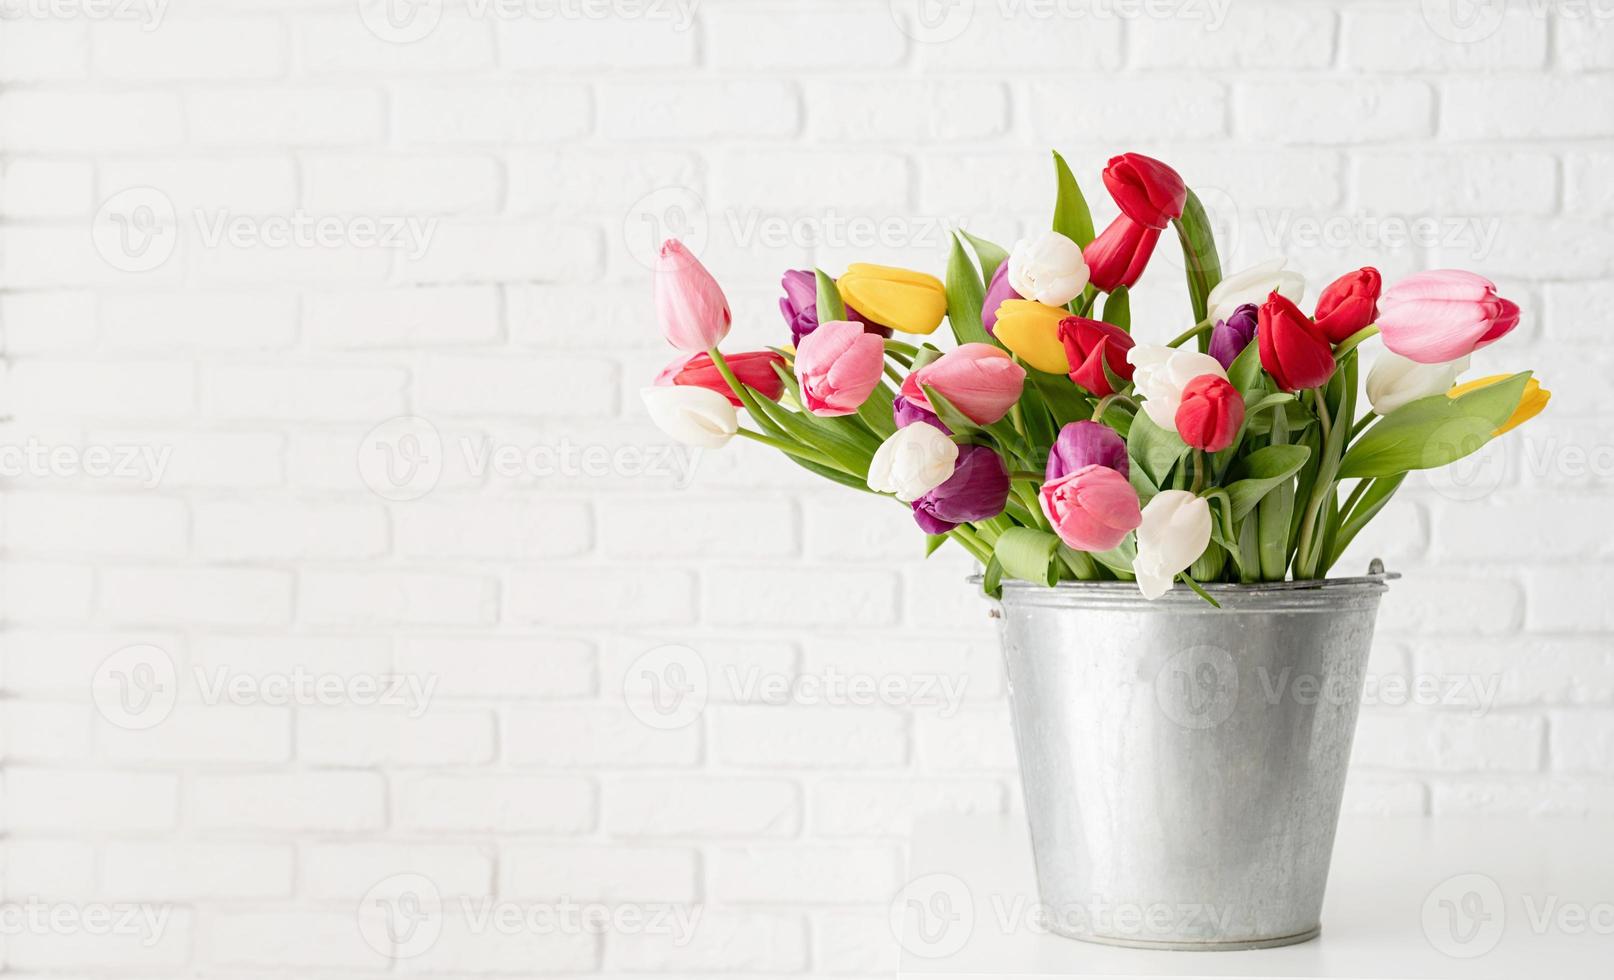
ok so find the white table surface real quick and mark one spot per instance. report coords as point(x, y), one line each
point(1408, 899)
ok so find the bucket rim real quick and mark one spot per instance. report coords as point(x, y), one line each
point(1314, 593)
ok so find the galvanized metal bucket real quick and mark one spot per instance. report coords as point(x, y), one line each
point(1183, 765)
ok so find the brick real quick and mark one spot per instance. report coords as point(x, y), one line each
point(825, 37)
point(542, 316)
point(701, 807)
point(978, 738)
point(466, 943)
point(304, 391)
point(215, 733)
point(284, 116)
point(54, 800)
point(217, 596)
point(1008, 37)
point(45, 592)
point(773, 183)
point(507, 385)
point(855, 112)
point(809, 737)
point(65, 661)
point(481, 527)
point(509, 112)
point(96, 524)
point(720, 942)
point(863, 808)
point(87, 389)
point(1445, 604)
point(1351, 112)
point(741, 597)
point(670, 527)
point(345, 872)
point(348, 598)
point(229, 460)
point(37, 732)
point(74, 122)
point(596, 596)
point(238, 47)
point(50, 869)
point(520, 804)
point(47, 189)
point(191, 320)
point(38, 49)
point(1472, 182)
point(1417, 740)
point(267, 530)
point(590, 737)
point(345, 45)
point(1569, 599)
point(1506, 525)
point(539, 44)
point(290, 938)
point(1582, 742)
point(157, 940)
point(535, 667)
point(1528, 670)
point(1586, 191)
point(332, 802)
point(1270, 36)
point(419, 735)
point(394, 185)
point(1176, 111)
point(1403, 40)
point(855, 942)
point(478, 251)
point(593, 873)
point(1385, 797)
point(1585, 38)
point(697, 110)
point(594, 182)
point(1579, 798)
point(815, 874)
point(196, 871)
point(1572, 308)
point(48, 323)
point(401, 318)
point(1524, 109)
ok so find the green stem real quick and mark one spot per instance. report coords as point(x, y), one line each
point(801, 452)
point(1361, 425)
point(1199, 472)
point(1350, 343)
point(745, 395)
point(1185, 337)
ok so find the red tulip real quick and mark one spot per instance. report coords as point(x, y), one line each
point(753, 369)
point(1090, 345)
point(1151, 193)
point(1211, 413)
point(1293, 350)
point(1119, 255)
point(1350, 303)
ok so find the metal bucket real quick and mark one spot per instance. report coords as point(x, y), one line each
point(1183, 765)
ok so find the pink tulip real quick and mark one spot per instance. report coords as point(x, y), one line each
point(979, 379)
point(1439, 316)
point(1092, 509)
point(839, 365)
point(693, 311)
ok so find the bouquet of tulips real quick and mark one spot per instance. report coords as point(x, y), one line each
point(1050, 443)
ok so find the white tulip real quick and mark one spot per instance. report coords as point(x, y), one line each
point(1175, 531)
point(915, 460)
point(1161, 374)
point(691, 414)
point(1254, 285)
point(1049, 269)
point(1396, 380)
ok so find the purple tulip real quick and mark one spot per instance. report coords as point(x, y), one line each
point(977, 490)
point(997, 291)
point(1086, 444)
point(1234, 334)
point(799, 305)
point(906, 413)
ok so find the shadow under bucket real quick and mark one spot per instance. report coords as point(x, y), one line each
point(1183, 765)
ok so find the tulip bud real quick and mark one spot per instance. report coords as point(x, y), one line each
point(1031, 330)
point(691, 307)
point(1293, 350)
point(696, 416)
point(1174, 532)
point(980, 380)
point(1147, 191)
point(1439, 316)
point(1092, 509)
point(997, 292)
point(1349, 304)
point(1253, 286)
point(1532, 403)
point(1118, 256)
point(799, 305)
point(1230, 336)
point(1081, 444)
point(905, 413)
point(1211, 413)
point(754, 369)
point(838, 366)
point(1090, 347)
point(908, 301)
point(977, 491)
point(1049, 269)
point(1395, 380)
point(912, 462)
point(1162, 373)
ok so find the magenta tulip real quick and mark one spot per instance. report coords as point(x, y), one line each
point(1082, 444)
point(1435, 317)
point(838, 365)
point(693, 311)
point(1092, 509)
point(980, 380)
point(977, 491)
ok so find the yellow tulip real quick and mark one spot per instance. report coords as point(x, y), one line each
point(1031, 330)
point(897, 298)
point(1531, 403)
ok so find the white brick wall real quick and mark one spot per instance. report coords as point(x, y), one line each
point(260, 669)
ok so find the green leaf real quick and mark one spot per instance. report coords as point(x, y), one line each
point(1433, 431)
point(1275, 514)
point(1120, 558)
point(1118, 309)
point(1028, 554)
point(1199, 256)
point(830, 306)
point(965, 294)
point(1065, 401)
point(1378, 494)
point(830, 474)
point(1245, 371)
point(932, 542)
point(1259, 473)
point(1071, 215)
point(991, 255)
point(876, 412)
point(1154, 449)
